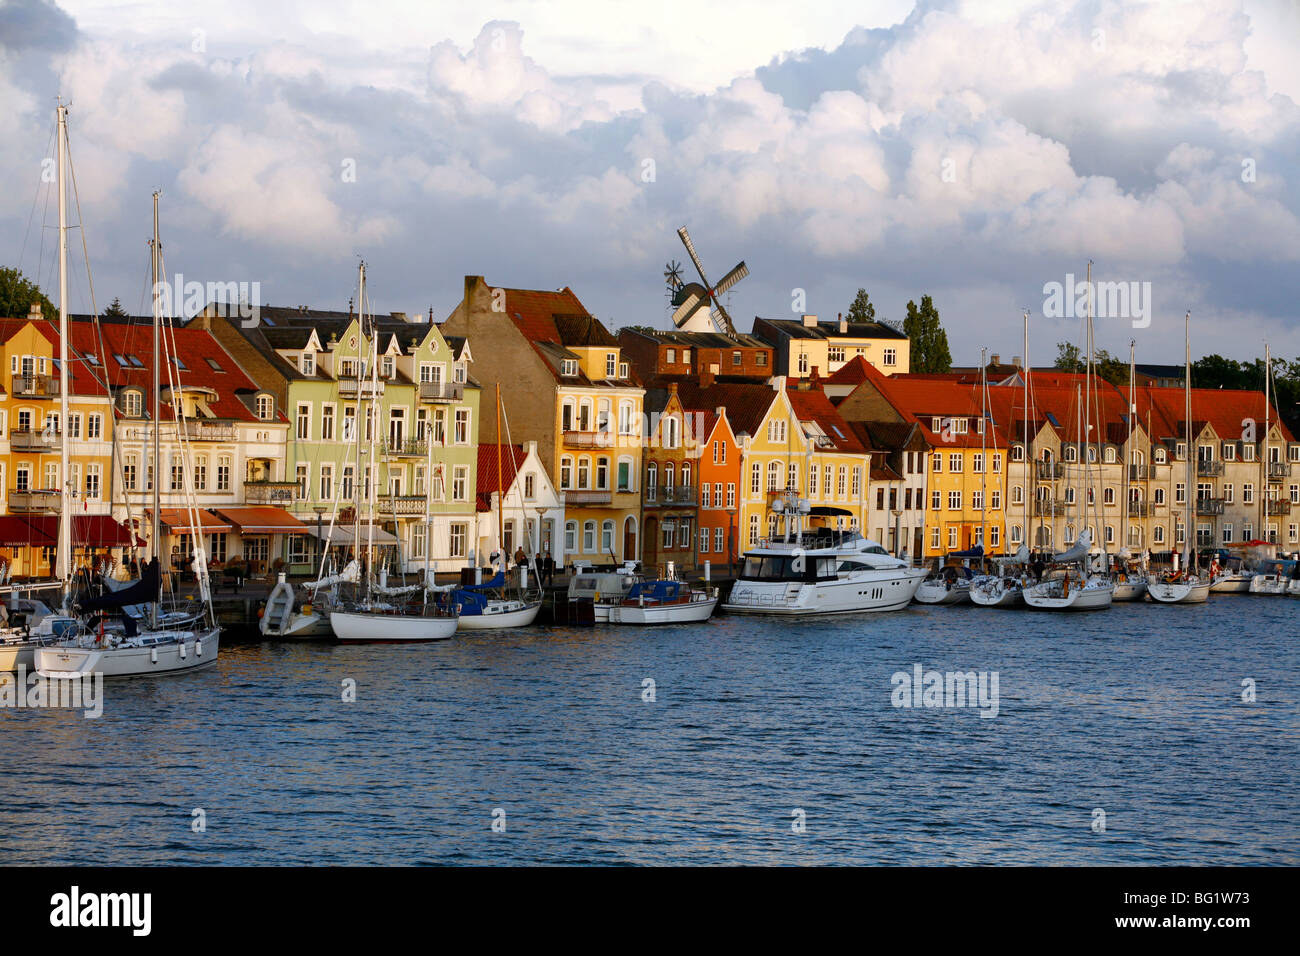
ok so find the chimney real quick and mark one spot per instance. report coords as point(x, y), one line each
point(35, 314)
point(706, 376)
point(997, 359)
point(399, 316)
point(1015, 360)
point(672, 388)
point(813, 381)
point(810, 321)
point(844, 325)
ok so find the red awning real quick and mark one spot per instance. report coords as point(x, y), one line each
point(264, 520)
point(18, 532)
point(88, 531)
point(179, 520)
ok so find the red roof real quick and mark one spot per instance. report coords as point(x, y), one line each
point(194, 347)
point(511, 457)
point(82, 377)
point(812, 405)
point(534, 311)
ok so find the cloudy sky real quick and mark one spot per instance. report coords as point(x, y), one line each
point(973, 151)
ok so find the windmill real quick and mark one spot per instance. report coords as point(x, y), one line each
point(698, 307)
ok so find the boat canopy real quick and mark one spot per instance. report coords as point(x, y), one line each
point(498, 581)
point(143, 591)
point(657, 592)
point(975, 552)
point(825, 511)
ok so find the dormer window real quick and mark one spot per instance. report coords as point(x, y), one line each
point(307, 364)
point(611, 364)
point(624, 370)
point(458, 372)
point(569, 368)
point(389, 366)
point(1161, 456)
point(133, 404)
point(265, 407)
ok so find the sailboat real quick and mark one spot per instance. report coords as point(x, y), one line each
point(1077, 589)
point(1128, 587)
point(128, 647)
point(375, 618)
point(1184, 586)
point(487, 606)
point(1003, 588)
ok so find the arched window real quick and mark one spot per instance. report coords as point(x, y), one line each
point(1017, 452)
point(774, 476)
point(589, 537)
point(566, 471)
point(652, 481)
point(1071, 453)
point(584, 415)
point(686, 474)
point(602, 416)
point(570, 537)
point(566, 415)
point(1043, 537)
point(668, 478)
point(1069, 534)
point(1016, 534)
point(607, 536)
point(584, 472)
point(755, 479)
point(1109, 457)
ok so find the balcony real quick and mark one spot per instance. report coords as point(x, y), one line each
point(201, 429)
point(1050, 469)
point(406, 448)
point(1278, 507)
point(441, 391)
point(34, 386)
point(401, 505)
point(1209, 506)
point(368, 389)
point(1140, 509)
point(1278, 470)
point(1208, 469)
point(1141, 472)
point(588, 439)
point(587, 497)
point(1049, 508)
point(270, 492)
point(45, 501)
point(677, 495)
point(24, 439)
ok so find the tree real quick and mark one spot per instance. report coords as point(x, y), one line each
point(18, 293)
point(862, 310)
point(1068, 357)
point(115, 310)
point(928, 339)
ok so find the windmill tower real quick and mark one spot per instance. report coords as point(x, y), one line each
point(698, 308)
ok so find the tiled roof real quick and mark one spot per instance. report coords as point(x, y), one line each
point(812, 405)
point(194, 346)
point(486, 487)
point(84, 378)
point(746, 403)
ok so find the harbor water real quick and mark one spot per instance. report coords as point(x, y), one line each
point(1126, 736)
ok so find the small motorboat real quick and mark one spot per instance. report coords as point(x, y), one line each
point(664, 602)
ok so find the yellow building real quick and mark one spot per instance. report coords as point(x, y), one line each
point(805, 344)
point(32, 439)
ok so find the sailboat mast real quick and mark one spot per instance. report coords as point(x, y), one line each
point(155, 532)
point(501, 538)
point(63, 560)
point(372, 427)
point(984, 465)
point(1028, 439)
point(1128, 448)
point(1263, 465)
point(1187, 414)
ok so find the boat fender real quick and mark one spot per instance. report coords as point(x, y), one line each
point(261, 611)
point(153, 655)
point(198, 647)
point(1065, 588)
point(182, 650)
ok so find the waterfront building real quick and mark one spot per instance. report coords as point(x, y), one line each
point(703, 355)
point(719, 466)
point(315, 366)
point(806, 343)
point(670, 481)
point(565, 384)
point(532, 508)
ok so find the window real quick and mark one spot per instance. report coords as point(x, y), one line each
point(74, 426)
point(731, 494)
point(1017, 534)
point(977, 500)
point(936, 499)
point(934, 539)
point(304, 421)
point(326, 482)
point(776, 430)
point(812, 481)
point(890, 357)
point(954, 501)
point(624, 370)
point(1108, 496)
point(1180, 493)
point(589, 537)
point(834, 353)
point(347, 484)
point(952, 539)
point(134, 404)
point(1247, 493)
point(569, 368)
point(308, 364)
point(611, 364)
point(302, 476)
point(201, 473)
point(1017, 454)
point(1227, 532)
point(1017, 494)
point(327, 423)
point(602, 473)
point(265, 407)
point(977, 463)
point(462, 426)
point(753, 529)
point(1228, 493)
point(130, 468)
point(458, 539)
point(995, 499)
point(389, 367)
point(760, 359)
point(704, 541)
point(955, 462)
point(460, 483)
point(936, 462)
point(178, 476)
point(93, 473)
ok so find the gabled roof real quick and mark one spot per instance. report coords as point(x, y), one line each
point(85, 378)
point(812, 405)
point(486, 484)
point(133, 337)
point(830, 330)
point(746, 403)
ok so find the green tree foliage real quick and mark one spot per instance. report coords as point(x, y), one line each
point(929, 341)
point(862, 310)
point(1215, 371)
point(1070, 358)
point(17, 293)
point(115, 310)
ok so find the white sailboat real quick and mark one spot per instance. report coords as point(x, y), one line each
point(1002, 589)
point(1075, 588)
point(129, 648)
point(1183, 586)
point(375, 618)
point(1128, 587)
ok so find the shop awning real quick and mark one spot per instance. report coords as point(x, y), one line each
point(264, 520)
point(342, 536)
point(88, 531)
point(17, 532)
point(178, 521)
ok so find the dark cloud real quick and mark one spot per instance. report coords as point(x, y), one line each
point(37, 25)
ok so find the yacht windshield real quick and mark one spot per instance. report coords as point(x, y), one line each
point(787, 568)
